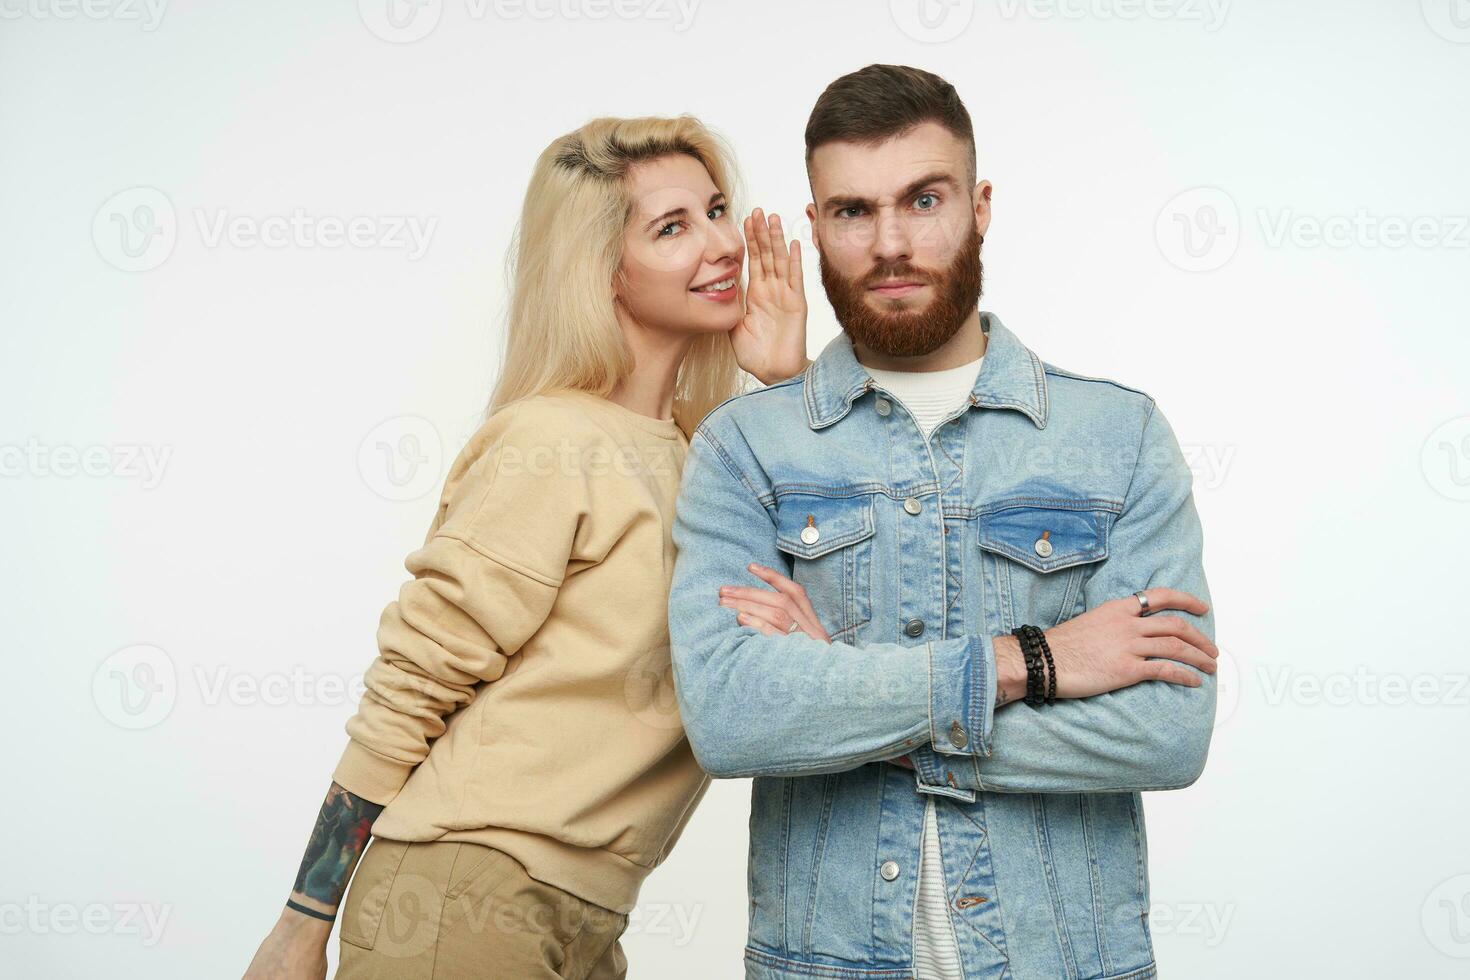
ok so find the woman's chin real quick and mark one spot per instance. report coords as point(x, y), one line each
point(712, 321)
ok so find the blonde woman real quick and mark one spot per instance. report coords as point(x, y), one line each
point(517, 759)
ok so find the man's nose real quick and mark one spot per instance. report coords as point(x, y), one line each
point(892, 241)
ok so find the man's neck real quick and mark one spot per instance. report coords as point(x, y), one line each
point(968, 344)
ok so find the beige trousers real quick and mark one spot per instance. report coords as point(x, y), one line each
point(444, 910)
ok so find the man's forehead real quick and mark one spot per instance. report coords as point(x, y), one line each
point(846, 169)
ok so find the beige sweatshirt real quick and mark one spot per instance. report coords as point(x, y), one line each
point(523, 692)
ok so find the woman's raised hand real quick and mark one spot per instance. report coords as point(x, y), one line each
point(770, 340)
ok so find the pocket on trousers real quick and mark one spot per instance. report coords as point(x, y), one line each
point(477, 863)
point(367, 895)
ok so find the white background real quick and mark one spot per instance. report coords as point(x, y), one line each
point(1206, 202)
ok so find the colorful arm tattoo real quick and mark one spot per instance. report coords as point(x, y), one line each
point(341, 832)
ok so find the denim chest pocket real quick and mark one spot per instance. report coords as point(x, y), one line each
point(1038, 552)
point(830, 541)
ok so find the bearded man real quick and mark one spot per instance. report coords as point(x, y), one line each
point(982, 628)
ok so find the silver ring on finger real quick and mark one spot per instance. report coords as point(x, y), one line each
point(793, 627)
point(1142, 602)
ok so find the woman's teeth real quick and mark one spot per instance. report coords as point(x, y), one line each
point(716, 287)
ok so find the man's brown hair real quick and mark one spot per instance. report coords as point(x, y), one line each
point(879, 102)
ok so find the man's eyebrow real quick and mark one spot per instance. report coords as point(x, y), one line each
point(714, 199)
point(937, 177)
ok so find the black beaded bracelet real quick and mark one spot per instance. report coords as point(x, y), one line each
point(1051, 667)
point(1035, 669)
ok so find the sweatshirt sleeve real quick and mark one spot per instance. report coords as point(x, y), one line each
point(483, 583)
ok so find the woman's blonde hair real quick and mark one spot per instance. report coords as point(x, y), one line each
point(561, 329)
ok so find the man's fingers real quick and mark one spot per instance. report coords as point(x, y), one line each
point(776, 580)
point(751, 619)
point(764, 597)
point(1163, 670)
point(1160, 597)
point(1186, 631)
point(786, 587)
point(1176, 649)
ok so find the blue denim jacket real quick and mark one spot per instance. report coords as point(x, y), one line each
point(1049, 493)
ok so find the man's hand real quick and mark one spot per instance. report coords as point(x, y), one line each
point(783, 608)
point(1110, 646)
point(296, 949)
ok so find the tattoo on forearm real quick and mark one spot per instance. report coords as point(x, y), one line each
point(341, 832)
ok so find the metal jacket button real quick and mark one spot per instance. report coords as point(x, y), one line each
point(912, 505)
point(889, 870)
point(914, 627)
point(882, 406)
point(957, 735)
point(810, 534)
point(1043, 546)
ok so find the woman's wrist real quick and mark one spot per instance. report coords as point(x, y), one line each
point(782, 373)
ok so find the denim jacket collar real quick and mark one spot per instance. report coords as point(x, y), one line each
point(1010, 377)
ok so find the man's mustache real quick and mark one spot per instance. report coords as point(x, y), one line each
point(882, 274)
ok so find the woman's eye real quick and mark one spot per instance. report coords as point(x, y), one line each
point(665, 231)
point(932, 202)
point(716, 213)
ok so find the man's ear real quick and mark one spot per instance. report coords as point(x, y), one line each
point(982, 207)
point(811, 217)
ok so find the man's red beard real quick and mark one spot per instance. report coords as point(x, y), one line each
point(907, 333)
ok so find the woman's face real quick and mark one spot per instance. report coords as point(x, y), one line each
point(682, 249)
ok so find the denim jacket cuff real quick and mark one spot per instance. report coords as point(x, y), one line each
point(950, 776)
point(961, 695)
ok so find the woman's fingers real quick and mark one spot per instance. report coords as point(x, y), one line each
point(754, 269)
point(779, 261)
point(785, 586)
point(763, 242)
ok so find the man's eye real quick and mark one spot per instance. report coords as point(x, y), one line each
point(851, 212)
point(926, 202)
